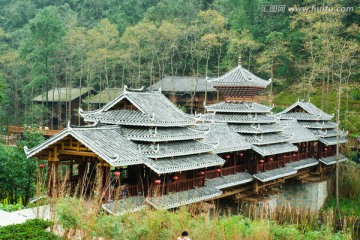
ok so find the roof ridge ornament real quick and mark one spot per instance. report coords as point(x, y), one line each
point(255, 117)
point(152, 118)
point(115, 157)
point(323, 132)
point(157, 150)
point(160, 91)
point(68, 125)
point(26, 150)
point(270, 80)
point(261, 138)
point(154, 133)
point(213, 117)
point(239, 60)
point(125, 89)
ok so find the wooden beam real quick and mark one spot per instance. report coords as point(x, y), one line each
point(229, 193)
point(77, 153)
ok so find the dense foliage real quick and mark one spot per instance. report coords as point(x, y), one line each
point(30, 230)
point(46, 44)
point(18, 175)
point(11, 207)
point(74, 216)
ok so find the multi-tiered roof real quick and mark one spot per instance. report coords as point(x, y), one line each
point(239, 82)
point(252, 120)
point(167, 137)
point(319, 123)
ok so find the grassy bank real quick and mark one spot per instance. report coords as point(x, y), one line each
point(77, 218)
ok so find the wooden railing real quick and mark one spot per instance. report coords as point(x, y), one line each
point(298, 157)
point(270, 165)
point(157, 189)
point(178, 186)
point(328, 153)
point(240, 168)
point(212, 174)
point(46, 132)
point(228, 171)
point(125, 191)
point(225, 171)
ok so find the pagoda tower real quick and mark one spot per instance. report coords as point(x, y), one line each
point(271, 147)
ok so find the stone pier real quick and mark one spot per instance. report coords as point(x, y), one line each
point(300, 196)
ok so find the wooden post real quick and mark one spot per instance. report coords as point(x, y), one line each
point(49, 175)
point(50, 165)
point(107, 183)
point(55, 182)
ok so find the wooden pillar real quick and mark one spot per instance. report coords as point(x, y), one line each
point(55, 178)
point(104, 188)
point(107, 182)
point(49, 178)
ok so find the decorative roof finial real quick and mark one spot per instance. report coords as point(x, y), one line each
point(125, 88)
point(160, 89)
point(239, 60)
point(68, 125)
point(309, 99)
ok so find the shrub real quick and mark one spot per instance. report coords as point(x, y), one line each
point(11, 207)
point(31, 229)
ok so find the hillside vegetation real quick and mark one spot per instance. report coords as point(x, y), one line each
point(89, 43)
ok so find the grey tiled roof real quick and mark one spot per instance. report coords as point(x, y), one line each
point(297, 132)
point(105, 141)
point(266, 150)
point(104, 96)
point(238, 118)
point(332, 160)
point(184, 163)
point(327, 133)
point(304, 163)
point(302, 116)
point(161, 134)
point(224, 139)
point(238, 107)
point(230, 180)
point(178, 199)
point(267, 138)
point(317, 124)
point(275, 174)
point(239, 76)
point(332, 140)
point(182, 84)
point(154, 109)
point(125, 205)
point(124, 117)
point(172, 149)
point(313, 112)
point(62, 94)
point(256, 128)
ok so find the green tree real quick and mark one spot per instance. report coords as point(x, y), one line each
point(43, 46)
point(18, 178)
point(273, 57)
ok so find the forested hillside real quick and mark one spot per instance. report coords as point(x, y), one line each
point(109, 43)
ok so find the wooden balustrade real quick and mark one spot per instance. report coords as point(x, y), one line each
point(126, 191)
point(212, 174)
point(270, 165)
point(328, 153)
point(46, 131)
point(240, 168)
point(228, 171)
point(158, 189)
